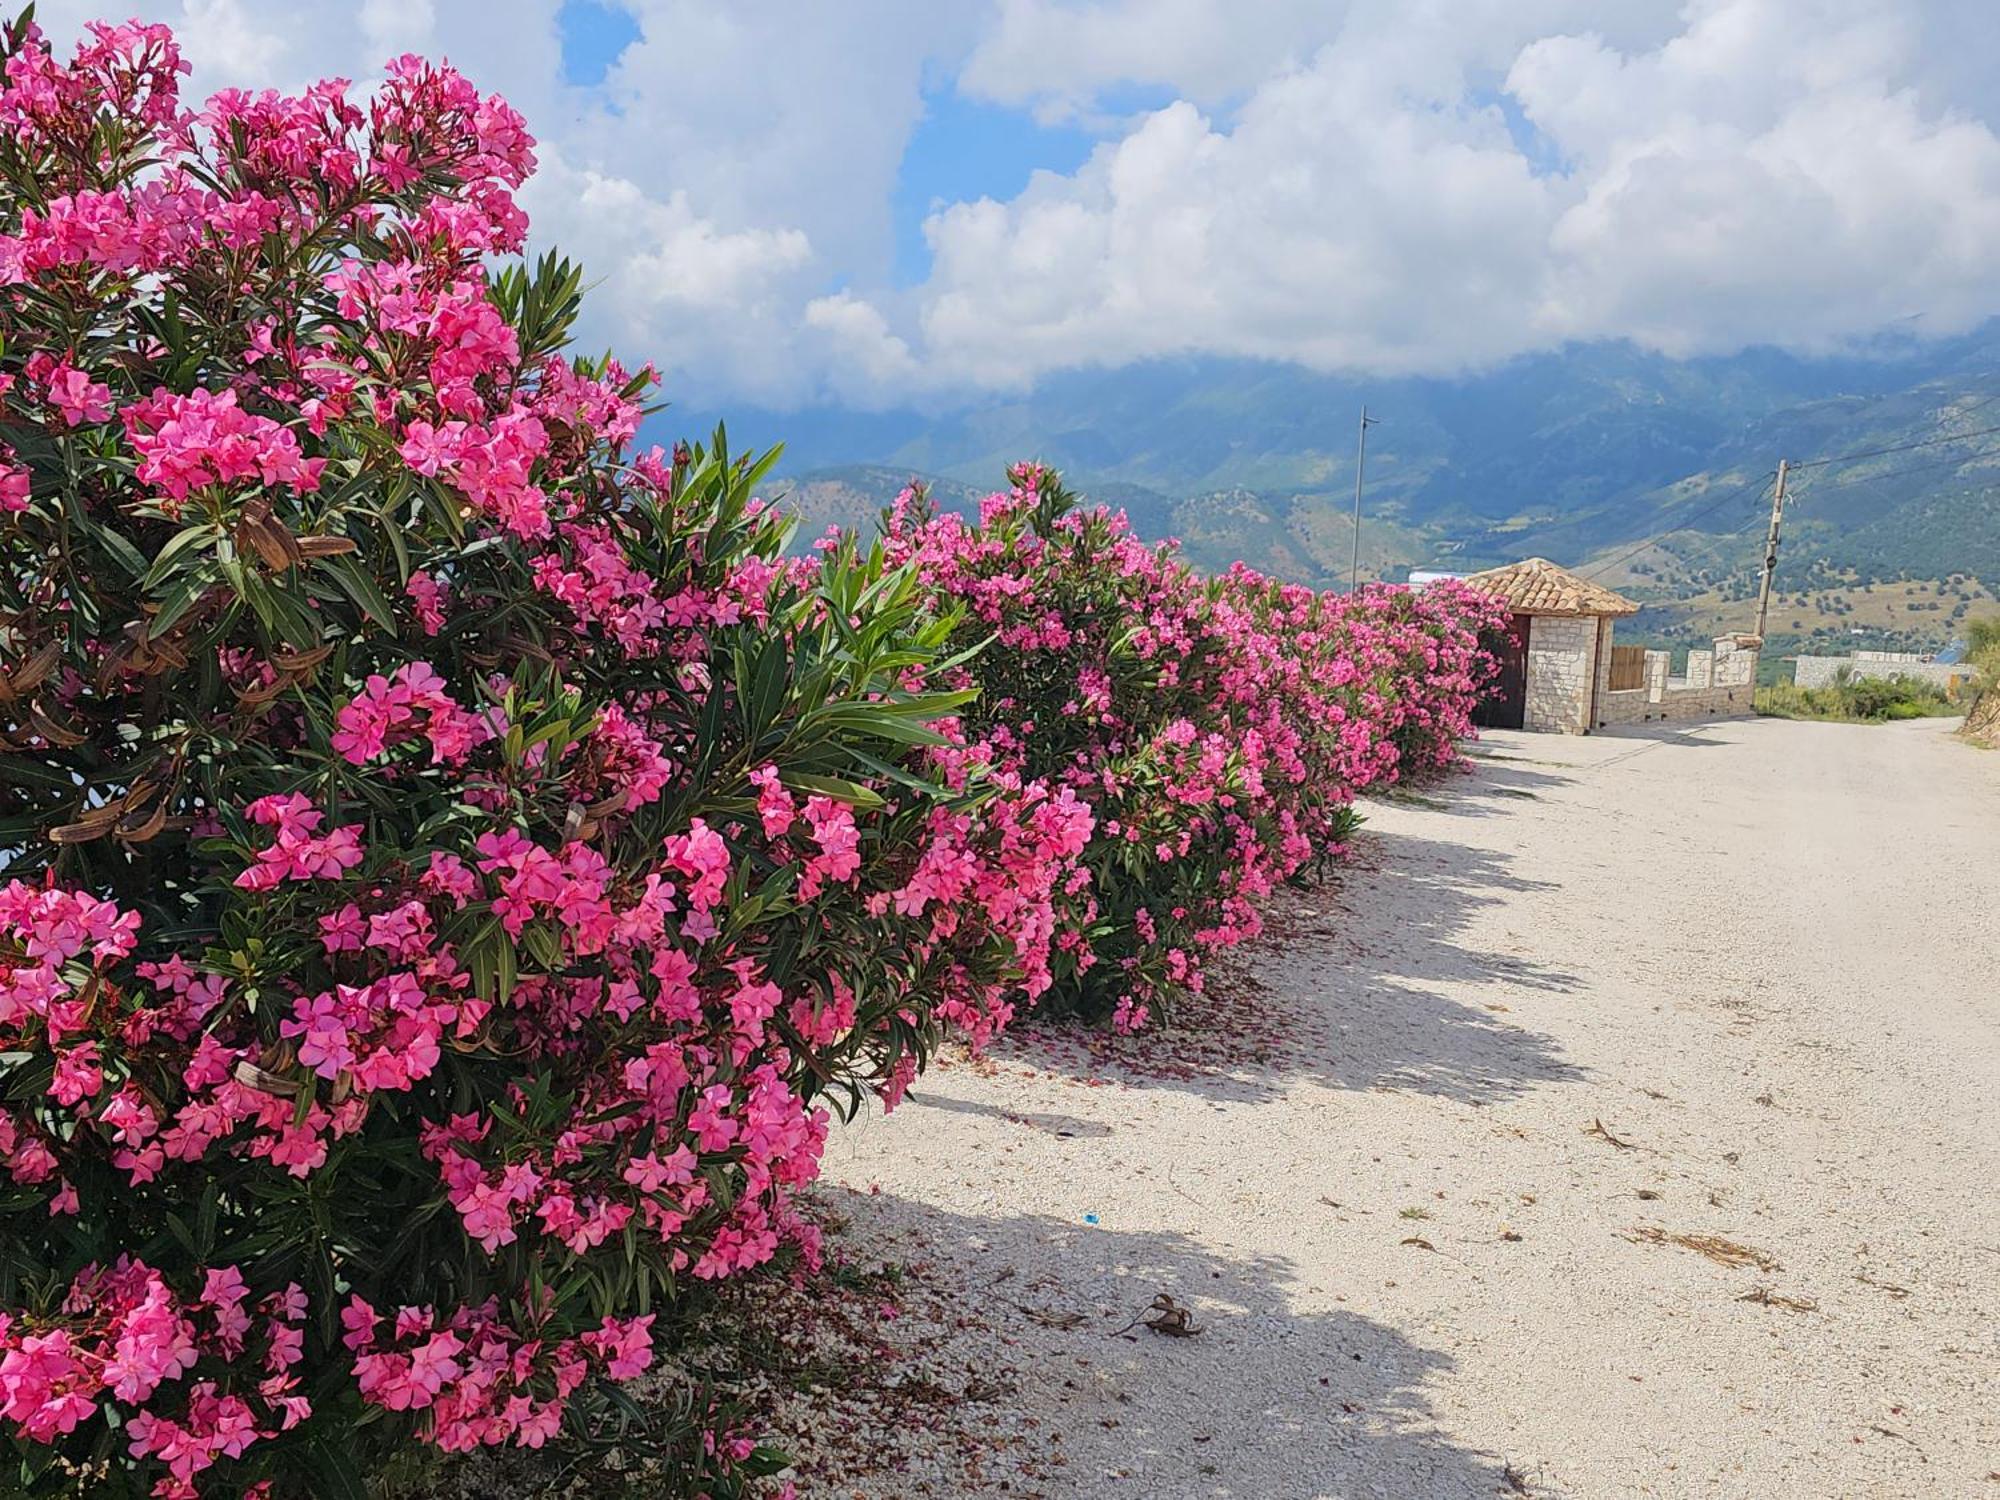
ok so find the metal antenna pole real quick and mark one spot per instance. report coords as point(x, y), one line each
point(1360, 466)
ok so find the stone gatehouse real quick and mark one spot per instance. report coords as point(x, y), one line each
point(1560, 672)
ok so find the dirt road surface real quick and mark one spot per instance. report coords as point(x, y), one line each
point(1624, 1122)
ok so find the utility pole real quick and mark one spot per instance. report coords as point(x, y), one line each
point(1360, 465)
point(1771, 547)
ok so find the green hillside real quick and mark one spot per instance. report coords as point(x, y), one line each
point(1649, 472)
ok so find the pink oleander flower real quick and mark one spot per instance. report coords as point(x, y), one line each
point(299, 851)
point(187, 443)
point(76, 396)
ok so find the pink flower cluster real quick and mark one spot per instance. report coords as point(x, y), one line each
point(187, 443)
point(411, 702)
point(300, 851)
point(474, 1376)
point(1217, 729)
point(122, 1335)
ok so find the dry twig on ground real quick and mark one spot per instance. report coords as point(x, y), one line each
point(1723, 1252)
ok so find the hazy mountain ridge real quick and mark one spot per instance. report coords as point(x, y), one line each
point(1580, 456)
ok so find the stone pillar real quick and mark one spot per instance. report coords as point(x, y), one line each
point(1657, 663)
point(1735, 666)
point(1562, 661)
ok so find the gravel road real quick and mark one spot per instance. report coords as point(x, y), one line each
point(1626, 1121)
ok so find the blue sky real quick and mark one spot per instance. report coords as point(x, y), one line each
point(960, 148)
point(967, 149)
point(593, 34)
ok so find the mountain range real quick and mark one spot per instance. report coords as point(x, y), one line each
point(1651, 474)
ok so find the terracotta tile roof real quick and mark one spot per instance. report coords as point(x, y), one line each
point(1537, 586)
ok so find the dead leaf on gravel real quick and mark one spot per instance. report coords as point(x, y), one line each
point(1171, 1319)
point(1765, 1297)
point(1167, 1317)
point(1597, 1129)
point(1723, 1252)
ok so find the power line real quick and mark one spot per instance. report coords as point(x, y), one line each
point(1681, 525)
point(1814, 487)
point(1785, 468)
point(1770, 562)
point(1707, 549)
point(1848, 458)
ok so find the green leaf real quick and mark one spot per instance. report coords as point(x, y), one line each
point(901, 730)
point(122, 551)
point(184, 598)
point(840, 790)
point(192, 536)
point(334, 1474)
point(359, 587)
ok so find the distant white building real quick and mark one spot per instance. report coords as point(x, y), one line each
point(1421, 576)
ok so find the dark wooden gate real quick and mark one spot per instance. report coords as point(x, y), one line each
point(1506, 700)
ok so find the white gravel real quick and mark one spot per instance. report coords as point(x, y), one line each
point(1764, 956)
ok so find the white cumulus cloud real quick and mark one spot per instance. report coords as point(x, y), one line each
point(1362, 185)
point(1760, 171)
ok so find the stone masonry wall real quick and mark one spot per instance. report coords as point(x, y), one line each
point(1819, 671)
point(1718, 683)
point(1822, 671)
point(1562, 665)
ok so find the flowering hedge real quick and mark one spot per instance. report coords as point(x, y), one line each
point(455, 861)
point(1219, 729)
point(450, 855)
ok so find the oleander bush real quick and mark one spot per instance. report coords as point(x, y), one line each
point(451, 858)
point(1219, 729)
point(454, 861)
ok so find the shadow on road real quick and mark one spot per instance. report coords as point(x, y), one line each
point(1049, 1124)
point(1266, 1401)
point(1492, 782)
point(1339, 989)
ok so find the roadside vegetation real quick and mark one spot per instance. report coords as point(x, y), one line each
point(1858, 700)
point(1982, 641)
point(1982, 720)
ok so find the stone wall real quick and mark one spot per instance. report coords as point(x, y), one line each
point(1562, 665)
point(1823, 671)
point(1717, 683)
